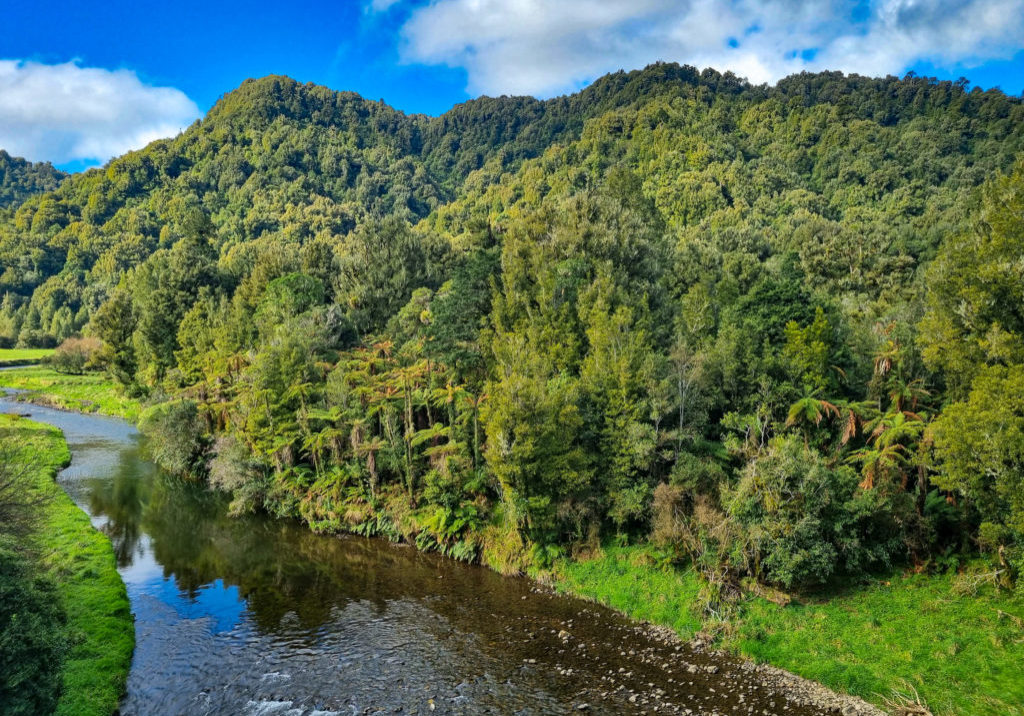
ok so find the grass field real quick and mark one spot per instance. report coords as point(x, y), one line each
point(23, 356)
point(627, 579)
point(81, 562)
point(88, 393)
point(962, 654)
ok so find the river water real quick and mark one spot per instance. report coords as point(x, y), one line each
point(255, 616)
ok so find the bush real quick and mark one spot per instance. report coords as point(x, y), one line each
point(804, 522)
point(32, 642)
point(232, 465)
point(176, 437)
point(75, 355)
point(669, 516)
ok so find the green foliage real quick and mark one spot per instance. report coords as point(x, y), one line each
point(20, 179)
point(115, 325)
point(778, 329)
point(976, 290)
point(382, 262)
point(524, 316)
point(32, 642)
point(533, 442)
point(808, 351)
point(175, 437)
point(979, 445)
point(805, 523)
point(97, 634)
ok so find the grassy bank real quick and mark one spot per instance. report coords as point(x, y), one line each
point(23, 356)
point(81, 561)
point(962, 654)
point(88, 393)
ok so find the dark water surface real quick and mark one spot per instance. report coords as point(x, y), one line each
point(257, 616)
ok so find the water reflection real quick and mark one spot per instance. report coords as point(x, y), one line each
point(120, 498)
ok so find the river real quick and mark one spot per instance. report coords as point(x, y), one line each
point(257, 616)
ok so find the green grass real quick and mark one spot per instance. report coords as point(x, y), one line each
point(81, 562)
point(88, 393)
point(961, 655)
point(628, 579)
point(23, 356)
point(957, 651)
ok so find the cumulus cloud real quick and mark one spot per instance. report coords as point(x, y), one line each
point(67, 112)
point(545, 47)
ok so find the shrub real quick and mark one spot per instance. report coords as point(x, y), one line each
point(32, 642)
point(232, 465)
point(504, 550)
point(804, 522)
point(75, 355)
point(176, 439)
point(669, 516)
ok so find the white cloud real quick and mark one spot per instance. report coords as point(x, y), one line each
point(545, 47)
point(67, 112)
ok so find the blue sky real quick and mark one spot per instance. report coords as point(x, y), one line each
point(79, 84)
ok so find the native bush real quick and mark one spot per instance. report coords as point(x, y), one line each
point(175, 437)
point(805, 522)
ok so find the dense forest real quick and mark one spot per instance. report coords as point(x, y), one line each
point(778, 331)
point(20, 179)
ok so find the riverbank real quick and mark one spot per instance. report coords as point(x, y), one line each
point(23, 356)
point(86, 393)
point(899, 634)
point(80, 560)
point(874, 640)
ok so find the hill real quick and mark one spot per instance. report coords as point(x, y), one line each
point(275, 160)
point(772, 334)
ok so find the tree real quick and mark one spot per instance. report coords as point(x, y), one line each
point(382, 262)
point(618, 376)
point(975, 309)
point(164, 288)
point(533, 441)
point(979, 447)
point(115, 325)
point(809, 411)
point(806, 522)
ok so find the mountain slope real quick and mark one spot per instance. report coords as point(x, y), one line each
point(277, 162)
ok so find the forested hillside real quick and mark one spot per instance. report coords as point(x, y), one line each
point(20, 179)
point(777, 330)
